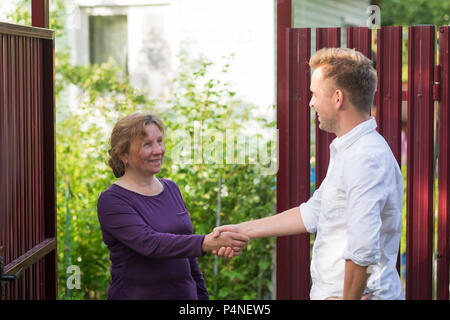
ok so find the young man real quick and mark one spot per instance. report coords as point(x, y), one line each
point(357, 211)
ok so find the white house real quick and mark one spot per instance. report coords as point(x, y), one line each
point(145, 37)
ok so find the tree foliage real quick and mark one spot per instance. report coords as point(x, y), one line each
point(409, 13)
point(82, 144)
point(196, 98)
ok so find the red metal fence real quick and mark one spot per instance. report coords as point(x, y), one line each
point(427, 86)
point(27, 164)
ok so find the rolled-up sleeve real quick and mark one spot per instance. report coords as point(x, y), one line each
point(310, 211)
point(366, 196)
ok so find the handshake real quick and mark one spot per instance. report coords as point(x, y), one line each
point(226, 241)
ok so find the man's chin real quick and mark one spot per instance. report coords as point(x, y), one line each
point(325, 128)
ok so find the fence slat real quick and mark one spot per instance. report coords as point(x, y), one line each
point(419, 246)
point(325, 37)
point(443, 253)
point(389, 88)
point(283, 114)
point(300, 154)
point(359, 38)
point(47, 75)
point(389, 91)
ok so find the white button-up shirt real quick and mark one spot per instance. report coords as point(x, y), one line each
point(357, 215)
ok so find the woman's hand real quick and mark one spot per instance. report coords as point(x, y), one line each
point(232, 242)
point(227, 252)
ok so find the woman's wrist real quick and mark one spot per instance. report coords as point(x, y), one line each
point(206, 243)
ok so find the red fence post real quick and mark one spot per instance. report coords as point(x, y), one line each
point(389, 87)
point(325, 37)
point(49, 163)
point(443, 250)
point(300, 155)
point(389, 91)
point(47, 270)
point(419, 245)
point(284, 11)
point(40, 12)
point(359, 38)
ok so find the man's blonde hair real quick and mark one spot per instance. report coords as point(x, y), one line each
point(351, 71)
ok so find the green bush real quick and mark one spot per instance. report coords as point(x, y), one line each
point(82, 135)
point(82, 173)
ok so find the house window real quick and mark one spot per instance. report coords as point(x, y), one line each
point(108, 38)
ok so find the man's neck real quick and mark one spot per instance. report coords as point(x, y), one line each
point(350, 121)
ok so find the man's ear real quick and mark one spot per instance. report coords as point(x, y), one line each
point(339, 97)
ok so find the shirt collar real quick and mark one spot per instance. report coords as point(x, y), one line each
point(341, 143)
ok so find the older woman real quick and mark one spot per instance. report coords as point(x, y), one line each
point(145, 223)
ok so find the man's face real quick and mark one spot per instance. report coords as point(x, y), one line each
point(322, 100)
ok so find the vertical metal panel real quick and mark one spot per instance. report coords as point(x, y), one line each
point(389, 88)
point(21, 158)
point(6, 145)
point(28, 245)
point(13, 163)
point(389, 91)
point(419, 247)
point(300, 155)
point(49, 163)
point(325, 38)
point(36, 175)
point(28, 213)
point(38, 103)
point(40, 10)
point(284, 12)
point(283, 188)
point(3, 154)
point(359, 38)
point(443, 244)
point(37, 164)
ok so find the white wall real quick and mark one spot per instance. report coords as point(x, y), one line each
point(245, 28)
point(6, 7)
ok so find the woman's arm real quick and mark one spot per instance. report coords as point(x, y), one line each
point(122, 223)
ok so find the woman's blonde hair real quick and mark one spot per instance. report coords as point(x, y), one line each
point(351, 72)
point(126, 134)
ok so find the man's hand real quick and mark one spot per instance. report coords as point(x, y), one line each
point(227, 252)
point(367, 296)
point(234, 242)
point(286, 223)
point(355, 280)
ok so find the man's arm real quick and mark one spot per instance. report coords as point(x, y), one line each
point(286, 223)
point(355, 280)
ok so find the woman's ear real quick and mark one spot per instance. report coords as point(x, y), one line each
point(124, 157)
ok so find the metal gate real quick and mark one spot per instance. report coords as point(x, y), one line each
point(27, 163)
point(427, 91)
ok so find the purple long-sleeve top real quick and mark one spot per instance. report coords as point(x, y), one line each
point(152, 249)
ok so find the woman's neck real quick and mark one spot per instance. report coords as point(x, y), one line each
point(148, 185)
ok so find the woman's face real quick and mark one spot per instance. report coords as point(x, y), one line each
point(149, 156)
